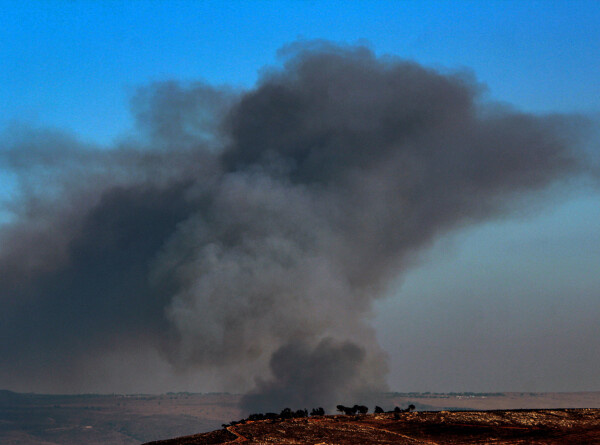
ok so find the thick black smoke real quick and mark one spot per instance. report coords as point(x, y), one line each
point(305, 376)
point(253, 230)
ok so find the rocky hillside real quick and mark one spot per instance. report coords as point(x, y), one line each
point(557, 426)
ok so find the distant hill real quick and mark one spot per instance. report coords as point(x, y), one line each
point(38, 419)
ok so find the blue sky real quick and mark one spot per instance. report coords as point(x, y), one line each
point(73, 65)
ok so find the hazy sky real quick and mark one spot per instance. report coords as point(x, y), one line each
point(503, 305)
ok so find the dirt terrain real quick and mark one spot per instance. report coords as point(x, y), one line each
point(559, 426)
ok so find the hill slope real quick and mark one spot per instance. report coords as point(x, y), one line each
point(556, 426)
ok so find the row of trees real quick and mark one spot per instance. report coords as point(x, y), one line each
point(350, 411)
point(285, 414)
point(361, 409)
point(288, 413)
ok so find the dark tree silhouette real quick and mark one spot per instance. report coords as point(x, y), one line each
point(361, 409)
point(317, 412)
point(378, 410)
point(350, 411)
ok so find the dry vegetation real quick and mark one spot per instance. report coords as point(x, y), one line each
point(565, 426)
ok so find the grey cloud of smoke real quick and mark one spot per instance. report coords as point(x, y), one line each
point(253, 230)
point(324, 375)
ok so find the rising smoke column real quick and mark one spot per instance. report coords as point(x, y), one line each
point(253, 230)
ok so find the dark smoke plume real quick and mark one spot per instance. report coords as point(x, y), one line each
point(253, 230)
point(308, 377)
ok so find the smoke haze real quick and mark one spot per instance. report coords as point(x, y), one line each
point(249, 232)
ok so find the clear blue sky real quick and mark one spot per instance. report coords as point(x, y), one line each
point(74, 65)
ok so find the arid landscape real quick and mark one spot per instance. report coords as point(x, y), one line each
point(567, 426)
point(134, 419)
point(109, 419)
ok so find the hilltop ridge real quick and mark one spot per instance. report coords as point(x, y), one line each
point(551, 426)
